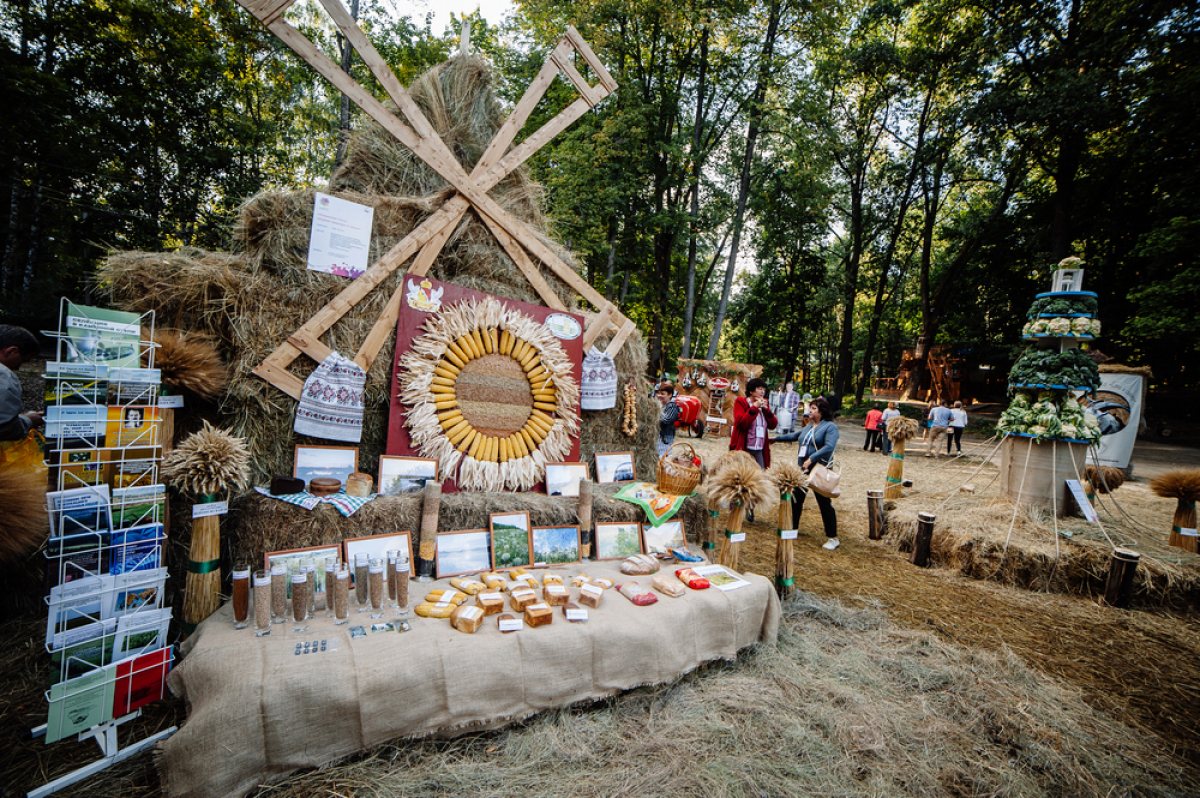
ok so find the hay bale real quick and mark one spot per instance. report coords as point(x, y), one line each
point(261, 524)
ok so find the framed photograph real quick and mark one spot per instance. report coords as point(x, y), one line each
point(554, 545)
point(562, 479)
point(338, 462)
point(468, 551)
point(399, 475)
point(378, 546)
point(614, 467)
point(292, 557)
point(660, 539)
point(510, 539)
point(616, 540)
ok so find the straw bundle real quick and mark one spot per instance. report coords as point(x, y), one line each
point(899, 430)
point(431, 506)
point(1183, 485)
point(23, 524)
point(204, 464)
point(190, 362)
point(788, 478)
point(584, 515)
point(739, 482)
point(1104, 479)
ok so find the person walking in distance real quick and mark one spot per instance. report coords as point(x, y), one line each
point(871, 425)
point(891, 412)
point(958, 421)
point(817, 443)
point(939, 425)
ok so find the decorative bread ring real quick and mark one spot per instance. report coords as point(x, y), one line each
point(490, 394)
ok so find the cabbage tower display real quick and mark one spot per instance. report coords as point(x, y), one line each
point(1047, 427)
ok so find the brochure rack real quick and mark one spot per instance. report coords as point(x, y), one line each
point(106, 627)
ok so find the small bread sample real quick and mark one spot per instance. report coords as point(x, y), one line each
point(428, 609)
point(282, 486)
point(522, 598)
point(604, 582)
point(507, 622)
point(555, 595)
point(580, 581)
point(539, 615)
point(452, 596)
point(491, 603)
point(493, 581)
point(517, 573)
point(639, 565)
point(466, 618)
point(691, 579)
point(574, 613)
point(668, 585)
point(530, 580)
point(641, 596)
point(467, 585)
point(591, 595)
point(551, 579)
point(324, 486)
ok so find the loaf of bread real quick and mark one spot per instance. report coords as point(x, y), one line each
point(551, 579)
point(691, 579)
point(580, 580)
point(640, 595)
point(574, 613)
point(522, 598)
point(282, 486)
point(555, 595)
point(491, 603)
point(604, 582)
point(591, 595)
point(517, 573)
point(493, 581)
point(639, 565)
point(539, 615)
point(668, 585)
point(466, 618)
point(507, 622)
point(467, 585)
point(428, 609)
point(452, 596)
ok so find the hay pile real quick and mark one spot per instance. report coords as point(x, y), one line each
point(250, 301)
point(847, 705)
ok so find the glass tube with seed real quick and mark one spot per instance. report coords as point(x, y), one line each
point(375, 583)
point(299, 600)
point(262, 603)
point(241, 596)
point(309, 569)
point(361, 581)
point(331, 569)
point(341, 596)
point(279, 592)
point(391, 578)
point(402, 572)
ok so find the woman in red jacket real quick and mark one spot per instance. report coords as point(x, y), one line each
point(752, 418)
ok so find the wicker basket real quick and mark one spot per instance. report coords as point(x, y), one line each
point(680, 479)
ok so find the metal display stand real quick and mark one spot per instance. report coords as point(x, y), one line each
point(106, 625)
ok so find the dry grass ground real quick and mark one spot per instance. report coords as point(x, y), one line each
point(913, 682)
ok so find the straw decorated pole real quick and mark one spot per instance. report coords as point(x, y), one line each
point(899, 430)
point(1183, 485)
point(430, 510)
point(739, 482)
point(207, 463)
point(788, 478)
point(585, 518)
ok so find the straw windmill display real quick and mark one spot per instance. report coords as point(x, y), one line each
point(428, 238)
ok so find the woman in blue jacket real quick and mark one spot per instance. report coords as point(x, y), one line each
point(817, 442)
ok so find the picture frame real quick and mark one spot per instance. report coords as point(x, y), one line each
point(562, 479)
point(465, 551)
point(377, 546)
point(400, 475)
point(615, 467)
point(291, 558)
point(616, 540)
point(510, 539)
point(664, 537)
point(338, 462)
point(554, 545)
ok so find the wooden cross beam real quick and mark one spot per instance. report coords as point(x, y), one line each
point(427, 239)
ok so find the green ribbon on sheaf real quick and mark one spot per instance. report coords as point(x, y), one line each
point(893, 480)
point(188, 628)
point(785, 497)
point(788, 582)
point(895, 456)
point(714, 513)
point(208, 567)
point(730, 533)
point(1188, 504)
point(708, 544)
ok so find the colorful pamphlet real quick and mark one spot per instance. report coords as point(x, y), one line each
point(76, 384)
point(142, 680)
point(144, 504)
point(131, 426)
point(79, 704)
point(138, 548)
point(103, 337)
point(79, 510)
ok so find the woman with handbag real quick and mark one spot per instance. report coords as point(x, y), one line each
point(817, 442)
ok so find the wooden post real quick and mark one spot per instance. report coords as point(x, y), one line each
point(584, 514)
point(876, 521)
point(924, 539)
point(427, 553)
point(1119, 588)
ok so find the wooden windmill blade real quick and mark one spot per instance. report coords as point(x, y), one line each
point(428, 238)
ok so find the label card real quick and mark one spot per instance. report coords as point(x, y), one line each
point(210, 508)
point(788, 534)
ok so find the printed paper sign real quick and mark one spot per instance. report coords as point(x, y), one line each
point(210, 508)
point(1081, 499)
point(340, 240)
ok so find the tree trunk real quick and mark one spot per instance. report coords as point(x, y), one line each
point(756, 116)
point(689, 308)
point(344, 119)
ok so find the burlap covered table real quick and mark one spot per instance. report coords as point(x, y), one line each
point(257, 711)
